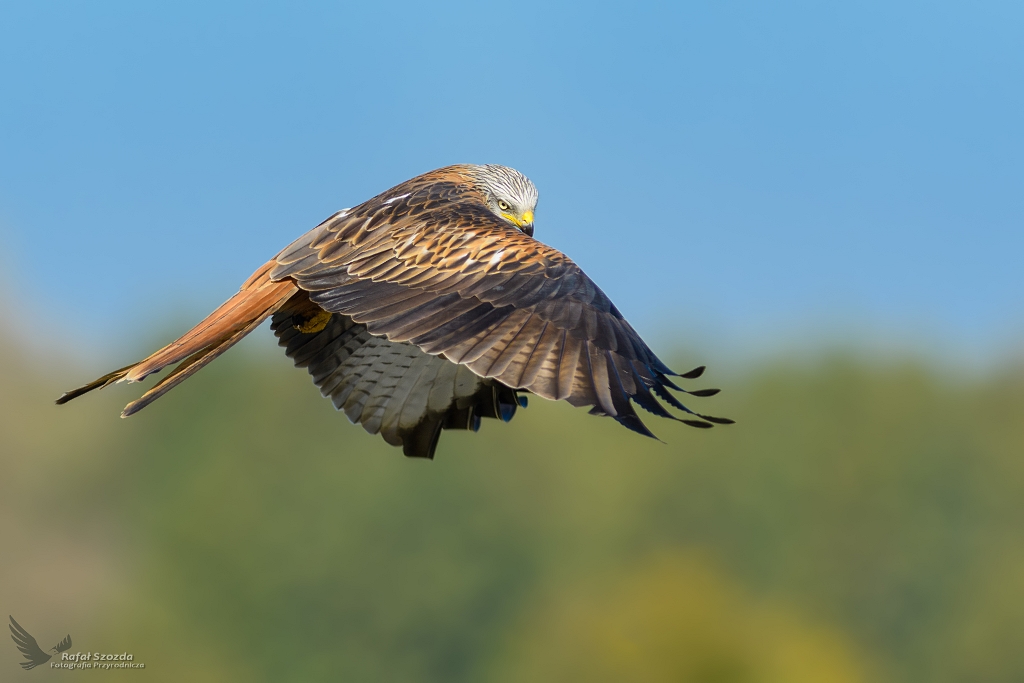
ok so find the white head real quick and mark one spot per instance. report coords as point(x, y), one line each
point(509, 194)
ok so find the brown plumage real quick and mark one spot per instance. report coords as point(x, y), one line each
point(429, 307)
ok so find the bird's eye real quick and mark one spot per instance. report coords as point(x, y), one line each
point(503, 205)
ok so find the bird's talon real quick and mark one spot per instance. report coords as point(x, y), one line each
point(315, 324)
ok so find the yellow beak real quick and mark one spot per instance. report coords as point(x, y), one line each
point(525, 222)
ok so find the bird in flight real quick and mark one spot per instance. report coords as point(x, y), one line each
point(30, 648)
point(429, 307)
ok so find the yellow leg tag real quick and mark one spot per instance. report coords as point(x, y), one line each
point(315, 324)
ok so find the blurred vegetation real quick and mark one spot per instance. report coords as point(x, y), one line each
point(861, 522)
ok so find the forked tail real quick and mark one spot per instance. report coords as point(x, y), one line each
point(258, 298)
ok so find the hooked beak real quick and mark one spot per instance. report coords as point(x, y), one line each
point(524, 222)
point(527, 224)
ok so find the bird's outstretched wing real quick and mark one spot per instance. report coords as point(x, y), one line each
point(64, 645)
point(421, 264)
point(28, 646)
point(390, 388)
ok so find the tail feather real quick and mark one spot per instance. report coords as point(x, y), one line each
point(115, 376)
point(191, 365)
point(258, 298)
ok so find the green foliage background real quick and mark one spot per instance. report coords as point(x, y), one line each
point(863, 521)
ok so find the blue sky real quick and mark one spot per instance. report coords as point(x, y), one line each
point(732, 174)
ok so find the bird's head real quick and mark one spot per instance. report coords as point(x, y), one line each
point(509, 194)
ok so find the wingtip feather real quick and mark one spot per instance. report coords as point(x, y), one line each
point(695, 373)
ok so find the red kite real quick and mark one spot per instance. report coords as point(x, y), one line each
point(430, 307)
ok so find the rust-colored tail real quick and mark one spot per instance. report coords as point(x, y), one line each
point(258, 298)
